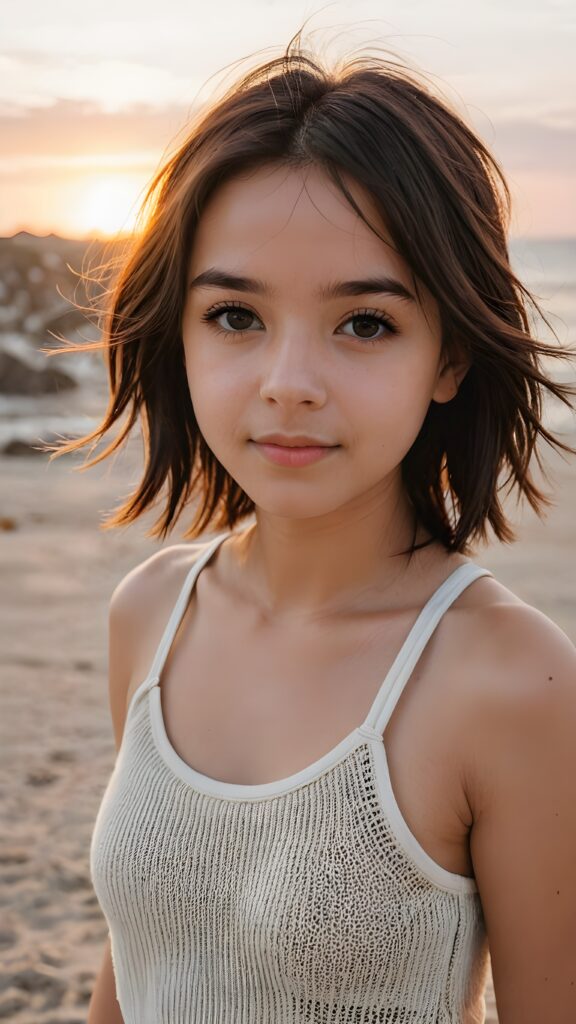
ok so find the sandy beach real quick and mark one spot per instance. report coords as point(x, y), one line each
point(57, 749)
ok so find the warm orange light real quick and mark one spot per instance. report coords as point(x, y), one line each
point(108, 204)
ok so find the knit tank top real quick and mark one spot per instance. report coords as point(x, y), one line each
point(305, 900)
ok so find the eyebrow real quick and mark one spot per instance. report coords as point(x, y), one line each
point(215, 278)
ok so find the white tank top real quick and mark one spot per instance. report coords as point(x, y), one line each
point(306, 900)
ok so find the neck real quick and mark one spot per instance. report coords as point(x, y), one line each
point(309, 569)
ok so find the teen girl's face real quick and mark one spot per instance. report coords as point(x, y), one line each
point(287, 345)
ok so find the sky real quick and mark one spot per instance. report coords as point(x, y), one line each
point(94, 98)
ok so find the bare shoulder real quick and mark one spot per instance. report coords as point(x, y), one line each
point(138, 610)
point(515, 650)
point(139, 586)
point(520, 678)
point(142, 600)
point(505, 665)
point(502, 633)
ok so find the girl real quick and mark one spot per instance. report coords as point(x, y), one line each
point(345, 752)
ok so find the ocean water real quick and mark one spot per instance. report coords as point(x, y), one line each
point(546, 266)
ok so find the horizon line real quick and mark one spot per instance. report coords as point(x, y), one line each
point(123, 236)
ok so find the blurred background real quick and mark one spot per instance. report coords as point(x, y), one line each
point(91, 106)
point(92, 101)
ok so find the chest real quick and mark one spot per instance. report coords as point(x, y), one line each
point(245, 704)
point(301, 908)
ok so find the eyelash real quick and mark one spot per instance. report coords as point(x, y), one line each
point(383, 319)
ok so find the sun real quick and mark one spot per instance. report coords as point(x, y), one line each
point(108, 204)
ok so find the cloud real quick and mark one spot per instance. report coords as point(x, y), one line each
point(78, 132)
point(530, 146)
point(75, 130)
point(111, 84)
point(109, 88)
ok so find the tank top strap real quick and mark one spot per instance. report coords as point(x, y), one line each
point(179, 607)
point(404, 663)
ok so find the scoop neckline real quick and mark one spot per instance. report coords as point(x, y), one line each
point(237, 790)
point(368, 729)
point(217, 787)
point(207, 785)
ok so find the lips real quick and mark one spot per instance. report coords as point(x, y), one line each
point(299, 441)
point(294, 456)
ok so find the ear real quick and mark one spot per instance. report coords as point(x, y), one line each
point(450, 377)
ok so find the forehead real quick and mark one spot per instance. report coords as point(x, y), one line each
point(279, 220)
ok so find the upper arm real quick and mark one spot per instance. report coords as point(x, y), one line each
point(523, 840)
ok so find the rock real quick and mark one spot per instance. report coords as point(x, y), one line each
point(19, 376)
point(19, 447)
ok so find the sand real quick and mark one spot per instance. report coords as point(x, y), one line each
point(57, 746)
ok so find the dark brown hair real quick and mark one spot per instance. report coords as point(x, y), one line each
point(446, 206)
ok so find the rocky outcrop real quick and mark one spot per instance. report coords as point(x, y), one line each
point(21, 374)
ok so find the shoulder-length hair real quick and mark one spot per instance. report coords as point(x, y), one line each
point(446, 206)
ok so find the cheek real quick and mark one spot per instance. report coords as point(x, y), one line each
point(391, 409)
point(215, 395)
point(209, 365)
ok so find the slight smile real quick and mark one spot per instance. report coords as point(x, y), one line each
point(295, 456)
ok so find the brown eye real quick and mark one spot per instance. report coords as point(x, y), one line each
point(366, 323)
point(239, 318)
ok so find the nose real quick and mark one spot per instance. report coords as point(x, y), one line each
point(291, 371)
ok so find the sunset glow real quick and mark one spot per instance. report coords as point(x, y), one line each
point(91, 103)
point(106, 205)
